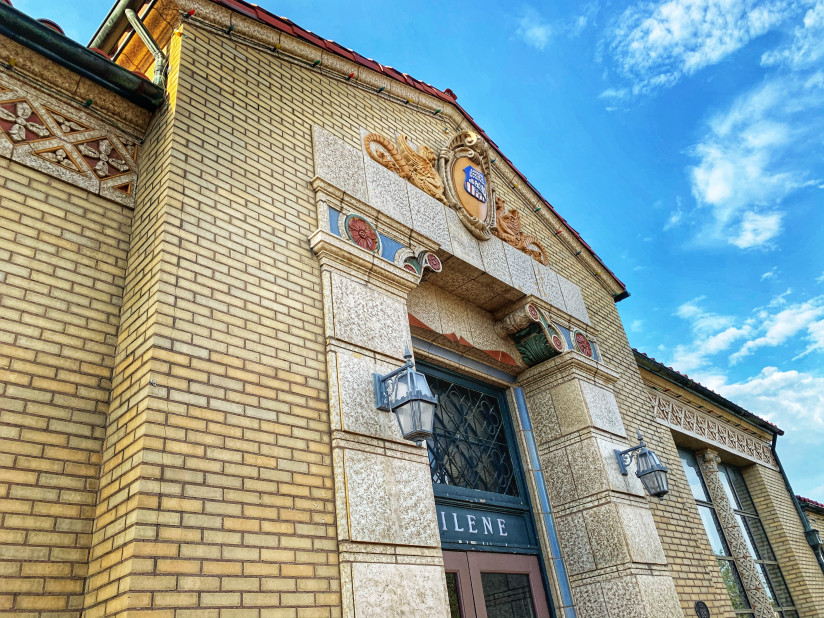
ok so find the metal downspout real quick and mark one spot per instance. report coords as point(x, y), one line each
point(159, 77)
point(60, 49)
point(114, 16)
point(813, 538)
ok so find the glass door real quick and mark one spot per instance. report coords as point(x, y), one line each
point(493, 585)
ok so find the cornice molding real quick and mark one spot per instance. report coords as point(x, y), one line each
point(710, 429)
point(335, 253)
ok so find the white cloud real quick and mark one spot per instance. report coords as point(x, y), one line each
point(793, 400)
point(820, 278)
point(655, 44)
point(752, 157)
point(806, 48)
point(757, 230)
point(675, 216)
point(770, 274)
point(793, 321)
point(637, 326)
point(614, 93)
point(713, 333)
point(533, 29)
point(580, 22)
point(799, 325)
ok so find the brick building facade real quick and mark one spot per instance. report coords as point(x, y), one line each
point(199, 278)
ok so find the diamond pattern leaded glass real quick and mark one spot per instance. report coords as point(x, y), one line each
point(469, 447)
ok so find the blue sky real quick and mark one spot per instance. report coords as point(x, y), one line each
point(684, 139)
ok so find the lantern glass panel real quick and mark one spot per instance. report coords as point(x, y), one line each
point(655, 482)
point(401, 388)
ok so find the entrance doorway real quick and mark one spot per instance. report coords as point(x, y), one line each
point(494, 585)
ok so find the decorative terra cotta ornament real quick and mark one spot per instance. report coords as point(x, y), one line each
point(416, 167)
point(582, 344)
point(508, 229)
point(465, 167)
point(362, 233)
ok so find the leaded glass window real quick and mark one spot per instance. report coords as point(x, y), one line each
point(754, 535)
point(757, 542)
point(469, 445)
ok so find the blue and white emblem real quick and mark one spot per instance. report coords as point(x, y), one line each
point(475, 183)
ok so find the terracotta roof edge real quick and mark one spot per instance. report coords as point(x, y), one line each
point(668, 373)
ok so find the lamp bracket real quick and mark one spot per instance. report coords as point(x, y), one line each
point(382, 382)
point(625, 458)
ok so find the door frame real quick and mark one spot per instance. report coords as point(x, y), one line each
point(469, 565)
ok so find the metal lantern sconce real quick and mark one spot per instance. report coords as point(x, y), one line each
point(406, 393)
point(650, 470)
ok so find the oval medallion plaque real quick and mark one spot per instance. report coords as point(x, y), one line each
point(464, 165)
point(701, 610)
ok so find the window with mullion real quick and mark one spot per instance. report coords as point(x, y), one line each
point(757, 542)
point(715, 536)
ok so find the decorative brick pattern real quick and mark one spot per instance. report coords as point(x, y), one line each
point(694, 422)
point(41, 131)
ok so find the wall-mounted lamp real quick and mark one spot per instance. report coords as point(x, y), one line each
point(650, 470)
point(406, 393)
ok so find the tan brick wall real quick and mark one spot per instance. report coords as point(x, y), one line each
point(125, 457)
point(217, 488)
point(270, 110)
point(62, 261)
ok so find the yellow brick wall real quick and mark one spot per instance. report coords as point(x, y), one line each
point(62, 262)
point(126, 459)
point(217, 485)
point(269, 109)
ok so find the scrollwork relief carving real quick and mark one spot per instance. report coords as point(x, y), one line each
point(709, 428)
point(416, 167)
point(508, 229)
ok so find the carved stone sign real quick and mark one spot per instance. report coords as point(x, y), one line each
point(464, 165)
point(461, 525)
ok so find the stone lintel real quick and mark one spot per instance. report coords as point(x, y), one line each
point(334, 253)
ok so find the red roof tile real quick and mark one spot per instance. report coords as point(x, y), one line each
point(812, 503)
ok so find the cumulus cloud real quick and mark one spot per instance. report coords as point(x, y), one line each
point(655, 44)
point(750, 159)
point(718, 337)
point(792, 399)
point(533, 29)
point(806, 47)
